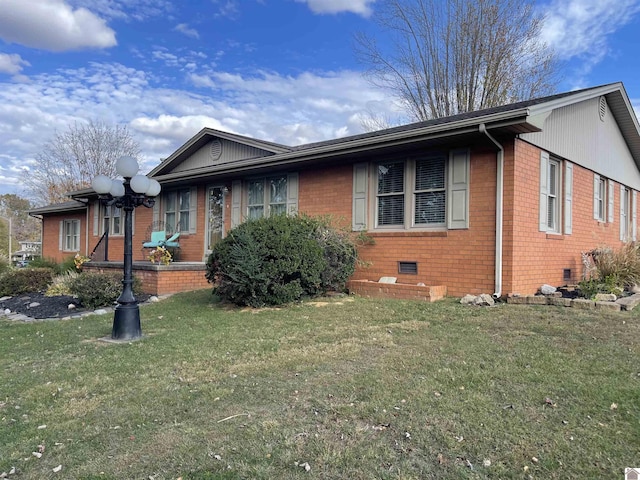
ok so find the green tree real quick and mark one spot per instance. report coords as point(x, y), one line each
point(23, 227)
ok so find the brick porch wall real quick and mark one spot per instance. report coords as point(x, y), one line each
point(160, 279)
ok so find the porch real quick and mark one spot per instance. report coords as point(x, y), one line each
point(159, 279)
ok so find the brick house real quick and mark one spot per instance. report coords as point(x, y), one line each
point(494, 201)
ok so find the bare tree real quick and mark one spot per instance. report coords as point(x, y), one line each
point(72, 158)
point(454, 56)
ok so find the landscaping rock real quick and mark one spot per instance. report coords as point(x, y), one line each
point(547, 289)
point(616, 307)
point(583, 303)
point(629, 303)
point(517, 300)
point(605, 297)
point(536, 300)
point(485, 300)
point(153, 299)
point(558, 301)
point(468, 300)
point(100, 311)
point(33, 305)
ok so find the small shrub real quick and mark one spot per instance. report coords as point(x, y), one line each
point(611, 284)
point(280, 259)
point(62, 284)
point(45, 263)
point(24, 280)
point(622, 264)
point(95, 289)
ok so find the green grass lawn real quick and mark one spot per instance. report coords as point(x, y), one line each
point(348, 388)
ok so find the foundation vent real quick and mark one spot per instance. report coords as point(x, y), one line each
point(409, 268)
point(566, 274)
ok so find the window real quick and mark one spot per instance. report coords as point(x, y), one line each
point(426, 192)
point(262, 197)
point(553, 206)
point(111, 220)
point(70, 235)
point(628, 199)
point(266, 197)
point(551, 195)
point(179, 210)
point(599, 195)
point(425, 200)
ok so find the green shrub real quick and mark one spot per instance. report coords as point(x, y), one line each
point(62, 284)
point(68, 265)
point(280, 259)
point(4, 266)
point(95, 289)
point(45, 263)
point(23, 280)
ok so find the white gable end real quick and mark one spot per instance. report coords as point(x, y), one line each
point(219, 151)
point(580, 134)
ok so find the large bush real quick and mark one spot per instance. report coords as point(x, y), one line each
point(95, 289)
point(24, 280)
point(280, 259)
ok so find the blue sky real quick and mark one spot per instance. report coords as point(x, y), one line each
point(279, 70)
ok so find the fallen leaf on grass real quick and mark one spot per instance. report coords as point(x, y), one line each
point(57, 469)
point(614, 406)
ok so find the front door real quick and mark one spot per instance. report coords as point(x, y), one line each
point(215, 217)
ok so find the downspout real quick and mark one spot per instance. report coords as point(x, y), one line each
point(499, 213)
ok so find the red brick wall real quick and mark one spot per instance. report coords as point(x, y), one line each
point(461, 260)
point(533, 258)
point(51, 235)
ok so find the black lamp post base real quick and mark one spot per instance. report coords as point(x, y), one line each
point(126, 322)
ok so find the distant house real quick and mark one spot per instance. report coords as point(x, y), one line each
point(498, 201)
point(28, 251)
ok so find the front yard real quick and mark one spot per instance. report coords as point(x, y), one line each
point(343, 388)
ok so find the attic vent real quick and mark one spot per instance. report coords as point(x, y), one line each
point(602, 108)
point(410, 268)
point(216, 149)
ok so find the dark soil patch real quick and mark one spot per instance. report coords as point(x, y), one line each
point(48, 307)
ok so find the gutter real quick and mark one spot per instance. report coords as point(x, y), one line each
point(499, 213)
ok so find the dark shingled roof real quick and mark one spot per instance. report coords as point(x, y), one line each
point(444, 120)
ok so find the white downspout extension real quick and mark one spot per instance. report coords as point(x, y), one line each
point(499, 213)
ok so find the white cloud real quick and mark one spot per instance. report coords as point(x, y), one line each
point(186, 30)
point(12, 63)
point(360, 7)
point(580, 28)
point(291, 110)
point(53, 25)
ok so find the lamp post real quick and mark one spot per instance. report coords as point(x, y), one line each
point(10, 245)
point(134, 191)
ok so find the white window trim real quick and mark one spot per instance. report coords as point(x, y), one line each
point(545, 172)
point(64, 244)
